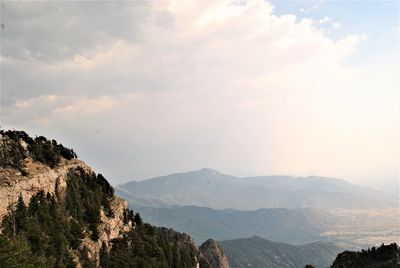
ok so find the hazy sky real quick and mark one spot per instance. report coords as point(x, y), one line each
point(141, 89)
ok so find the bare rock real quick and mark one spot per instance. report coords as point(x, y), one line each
point(213, 255)
point(40, 177)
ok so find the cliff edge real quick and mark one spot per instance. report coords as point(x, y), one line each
point(58, 212)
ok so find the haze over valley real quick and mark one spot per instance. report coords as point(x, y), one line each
point(206, 203)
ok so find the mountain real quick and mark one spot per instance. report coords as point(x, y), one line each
point(56, 212)
point(280, 224)
point(259, 252)
point(209, 188)
point(385, 256)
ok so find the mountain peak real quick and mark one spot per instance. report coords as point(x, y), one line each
point(209, 171)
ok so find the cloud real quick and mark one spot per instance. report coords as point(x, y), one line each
point(310, 8)
point(85, 106)
point(75, 28)
point(36, 101)
point(334, 24)
point(324, 20)
point(181, 85)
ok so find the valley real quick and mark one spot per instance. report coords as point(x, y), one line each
point(357, 229)
point(206, 203)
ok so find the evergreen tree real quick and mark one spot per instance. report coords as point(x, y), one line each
point(16, 252)
point(138, 219)
point(104, 257)
point(20, 214)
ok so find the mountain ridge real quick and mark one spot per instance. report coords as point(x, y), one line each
point(259, 252)
point(210, 188)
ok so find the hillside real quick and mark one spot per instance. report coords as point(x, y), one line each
point(280, 224)
point(385, 256)
point(57, 212)
point(258, 252)
point(209, 188)
point(350, 229)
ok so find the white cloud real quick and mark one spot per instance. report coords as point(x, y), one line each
point(324, 20)
point(36, 101)
point(336, 25)
point(309, 9)
point(84, 106)
point(198, 83)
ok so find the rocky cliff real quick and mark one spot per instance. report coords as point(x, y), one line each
point(213, 254)
point(39, 177)
point(54, 180)
point(386, 256)
point(114, 238)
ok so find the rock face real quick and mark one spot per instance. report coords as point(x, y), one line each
point(39, 177)
point(110, 228)
point(54, 180)
point(386, 256)
point(213, 255)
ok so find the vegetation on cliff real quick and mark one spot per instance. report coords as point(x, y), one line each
point(47, 233)
point(383, 256)
point(52, 229)
point(13, 152)
point(149, 246)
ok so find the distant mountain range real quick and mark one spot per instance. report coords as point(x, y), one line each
point(280, 224)
point(209, 188)
point(259, 252)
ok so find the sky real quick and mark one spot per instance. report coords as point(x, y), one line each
point(142, 89)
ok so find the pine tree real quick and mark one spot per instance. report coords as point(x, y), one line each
point(138, 219)
point(20, 214)
point(104, 258)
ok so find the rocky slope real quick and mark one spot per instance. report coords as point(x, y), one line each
point(30, 166)
point(40, 177)
point(259, 252)
point(213, 254)
point(386, 256)
point(54, 180)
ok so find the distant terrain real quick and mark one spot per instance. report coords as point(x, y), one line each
point(286, 225)
point(210, 188)
point(206, 203)
point(364, 228)
point(258, 252)
point(56, 211)
point(350, 229)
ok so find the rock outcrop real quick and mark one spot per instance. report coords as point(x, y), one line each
point(54, 180)
point(39, 177)
point(386, 256)
point(213, 255)
point(110, 228)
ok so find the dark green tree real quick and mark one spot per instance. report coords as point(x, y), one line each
point(138, 219)
point(21, 214)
